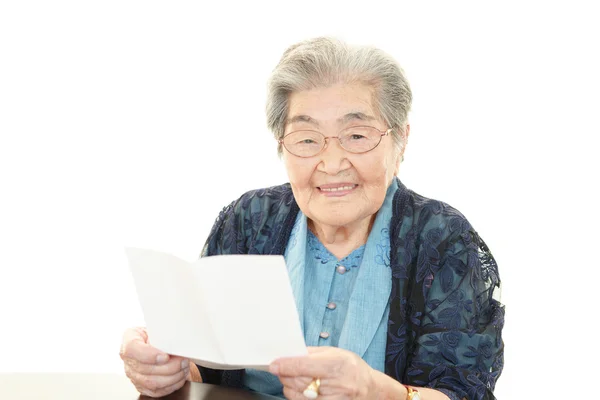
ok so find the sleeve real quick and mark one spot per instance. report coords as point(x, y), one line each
point(223, 235)
point(458, 348)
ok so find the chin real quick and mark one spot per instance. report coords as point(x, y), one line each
point(335, 219)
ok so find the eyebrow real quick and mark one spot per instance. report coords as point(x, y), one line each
point(345, 119)
point(302, 118)
point(355, 116)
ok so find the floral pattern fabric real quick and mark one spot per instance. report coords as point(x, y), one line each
point(445, 323)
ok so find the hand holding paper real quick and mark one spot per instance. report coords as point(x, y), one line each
point(224, 312)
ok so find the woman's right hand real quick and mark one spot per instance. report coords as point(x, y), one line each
point(153, 372)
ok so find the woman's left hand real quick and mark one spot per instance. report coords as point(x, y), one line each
point(343, 374)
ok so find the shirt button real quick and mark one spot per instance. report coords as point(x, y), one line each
point(331, 306)
point(341, 270)
point(324, 335)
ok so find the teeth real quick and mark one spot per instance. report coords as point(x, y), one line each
point(338, 189)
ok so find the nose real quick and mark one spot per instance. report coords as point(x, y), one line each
point(333, 157)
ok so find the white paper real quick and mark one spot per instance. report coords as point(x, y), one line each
point(224, 312)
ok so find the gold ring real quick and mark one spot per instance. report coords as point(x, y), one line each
point(312, 390)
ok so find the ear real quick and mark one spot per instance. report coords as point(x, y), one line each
point(401, 154)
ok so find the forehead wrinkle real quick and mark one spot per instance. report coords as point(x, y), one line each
point(352, 116)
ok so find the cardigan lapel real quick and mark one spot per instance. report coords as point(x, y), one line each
point(295, 260)
point(369, 299)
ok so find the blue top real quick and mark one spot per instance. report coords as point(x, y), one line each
point(324, 287)
point(322, 265)
point(445, 321)
point(328, 286)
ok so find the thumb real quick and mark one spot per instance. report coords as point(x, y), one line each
point(143, 333)
point(135, 346)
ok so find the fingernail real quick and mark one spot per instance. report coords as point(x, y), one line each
point(184, 363)
point(162, 358)
point(274, 369)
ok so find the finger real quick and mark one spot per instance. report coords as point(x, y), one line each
point(318, 349)
point(327, 387)
point(164, 391)
point(292, 394)
point(143, 333)
point(313, 365)
point(135, 347)
point(154, 383)
point(333, 387)
point(298, 383)
point(174, 365)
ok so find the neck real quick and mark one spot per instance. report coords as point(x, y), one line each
point(341, 240)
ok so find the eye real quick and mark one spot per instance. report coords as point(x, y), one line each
point(303, 138)
point(357, 136)
point(306, 141)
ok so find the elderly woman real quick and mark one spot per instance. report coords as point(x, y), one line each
point(395, 291)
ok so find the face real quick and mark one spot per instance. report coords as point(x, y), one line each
point(336, 187)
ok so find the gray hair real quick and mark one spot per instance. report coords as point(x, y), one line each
point(324, 61)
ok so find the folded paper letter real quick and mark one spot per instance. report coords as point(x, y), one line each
point(224, 312)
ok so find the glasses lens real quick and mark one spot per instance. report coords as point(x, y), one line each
point(360, 139)
point(304, 143)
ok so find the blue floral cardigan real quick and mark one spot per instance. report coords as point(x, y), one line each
point(444, 328)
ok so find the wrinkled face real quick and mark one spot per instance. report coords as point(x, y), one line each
point(336, 187)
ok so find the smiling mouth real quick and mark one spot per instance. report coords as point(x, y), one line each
point(334, 189)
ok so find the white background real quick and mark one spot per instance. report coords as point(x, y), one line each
point(134, 122)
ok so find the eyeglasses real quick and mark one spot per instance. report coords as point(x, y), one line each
point(356, 139)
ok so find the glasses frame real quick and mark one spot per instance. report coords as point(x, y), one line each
point(383, 133)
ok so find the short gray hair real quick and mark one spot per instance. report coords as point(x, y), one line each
point(325, 61)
